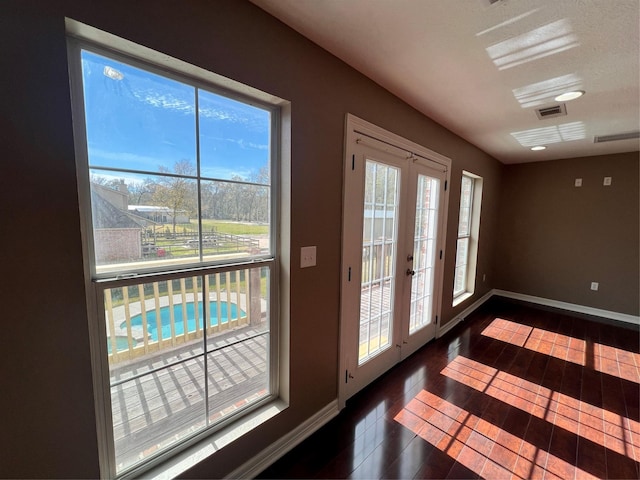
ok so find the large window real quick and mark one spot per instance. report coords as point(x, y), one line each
point(467, 243)
point(178, 194)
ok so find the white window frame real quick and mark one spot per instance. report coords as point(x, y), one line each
point(199, 446)
point(472, 237)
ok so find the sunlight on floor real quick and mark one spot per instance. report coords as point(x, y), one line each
point(616, 432)
point(602, 358)
point(479, 445)
point(494, 452)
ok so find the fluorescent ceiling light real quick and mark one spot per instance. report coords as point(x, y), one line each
point(565, 97)
point(539, 147)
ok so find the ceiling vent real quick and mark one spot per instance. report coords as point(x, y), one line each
point(552, 112)
point(616, 136)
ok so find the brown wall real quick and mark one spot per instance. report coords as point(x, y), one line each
point(555, 239)
point(550, 240)
point(48, 420)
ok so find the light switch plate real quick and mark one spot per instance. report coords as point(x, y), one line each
point(578, 182)
point(308, 257)
point(607, 181)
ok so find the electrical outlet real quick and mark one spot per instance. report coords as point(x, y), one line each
point(307, 257)
point(594, 286)
point(607, 181)
point(578, 182)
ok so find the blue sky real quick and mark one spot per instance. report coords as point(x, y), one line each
point(141, 121)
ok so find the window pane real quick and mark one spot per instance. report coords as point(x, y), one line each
point(235, 219)
point(158, 335)
point(462, 255)
point(464, 224)
point(156, 411)
point(239, 376)
point(460, 280)
point(378, 261)
point(136, 119)
point(466, 190)
point(163, 230)
point(462, 247)
point(146, 322)
point(234, 139)
point(155, 351)
point(238, 359)
point(424, 253)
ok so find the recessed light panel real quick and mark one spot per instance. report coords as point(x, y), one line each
point(565, 97)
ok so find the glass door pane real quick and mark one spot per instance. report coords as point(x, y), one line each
point(462, 248)
point(379, 245)
point(424, 253)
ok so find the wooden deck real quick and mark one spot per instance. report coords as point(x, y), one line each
point(160, 399)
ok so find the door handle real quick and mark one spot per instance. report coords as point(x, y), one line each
point(410, 273)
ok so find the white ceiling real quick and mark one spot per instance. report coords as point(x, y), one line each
point(481, 70)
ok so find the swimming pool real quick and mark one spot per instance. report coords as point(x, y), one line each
point(226, 314)
point(122, 343)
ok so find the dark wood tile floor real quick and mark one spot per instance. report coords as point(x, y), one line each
point(512, 392)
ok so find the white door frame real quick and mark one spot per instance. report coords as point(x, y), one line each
point(358, 131)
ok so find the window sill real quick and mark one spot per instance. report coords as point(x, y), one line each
point(461, 298)
point(180, 463)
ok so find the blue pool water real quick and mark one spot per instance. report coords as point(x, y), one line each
point(121, 343)
point(179, 321)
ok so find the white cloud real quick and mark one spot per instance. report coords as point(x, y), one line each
point(167, 101)
point(135, 161)
point(247, 145)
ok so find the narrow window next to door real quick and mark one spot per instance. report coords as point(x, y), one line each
point(467, 243)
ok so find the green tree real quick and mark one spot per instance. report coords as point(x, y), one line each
point(176, 192)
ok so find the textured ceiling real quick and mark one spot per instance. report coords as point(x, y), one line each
point(481, 70)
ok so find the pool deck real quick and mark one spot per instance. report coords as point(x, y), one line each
point(159, 399)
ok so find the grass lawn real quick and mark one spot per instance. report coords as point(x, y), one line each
point(222, 226)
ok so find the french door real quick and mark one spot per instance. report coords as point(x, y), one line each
point(393, 220)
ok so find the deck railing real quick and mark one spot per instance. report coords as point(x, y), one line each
point(146, 318)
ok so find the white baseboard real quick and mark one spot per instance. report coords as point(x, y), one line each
point(572, 307)
point(276, 450)
point(621, 317)
point(463, 314)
